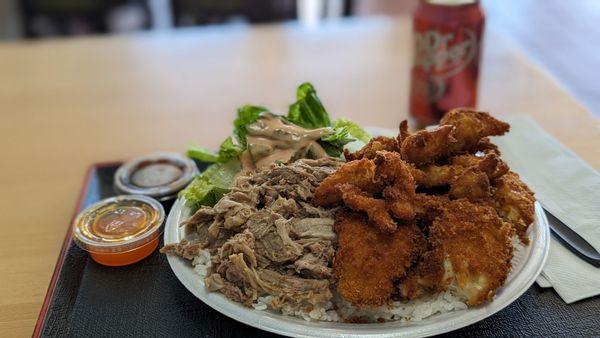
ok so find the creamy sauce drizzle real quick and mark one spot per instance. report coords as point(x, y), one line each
point(270, 140)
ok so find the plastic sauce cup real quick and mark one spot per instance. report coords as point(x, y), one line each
point(120, 230)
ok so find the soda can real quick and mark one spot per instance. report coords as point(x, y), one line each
point(447, 49)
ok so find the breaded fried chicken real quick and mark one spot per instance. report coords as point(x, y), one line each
point(460, 130)
point(468, 204)
point(515, 203)
point(360, 173)
point(367, 261)
point(471, 126)
point(426, 146)
point(429, 207)
point(440, 175)
point(491, 164)
point(469, 245)
point(370, 149)
point(472, 184)
point(356, 182)
point(376, 209)
point(404, 133)
point(486, 146)
point(399, 190)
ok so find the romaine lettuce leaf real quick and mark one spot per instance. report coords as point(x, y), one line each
point(222, 174)
point(246, 115)
point(308, 111)
point(353, 129)
point(334, 143)
point(202, 192)
point(229, 150)
point(201, 154)
point(210, 186)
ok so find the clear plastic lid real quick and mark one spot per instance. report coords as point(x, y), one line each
point(118, 224)
point(160, 175)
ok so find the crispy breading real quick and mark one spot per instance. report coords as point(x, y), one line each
point(367, 261)
point(460, 130)
point(429, 275)
point(438, 175)
point(491, 164)
point(427, 146)
point(471, 126)
point(433, 175)
point(356, 182)
point(360, 173)
point(370, 149)
point(472, 184)
point(515, 203)
point(404, 133)
point(399, 191)
point(429, 207)
point(470, 245)
point(486, 146)
point(376, 209)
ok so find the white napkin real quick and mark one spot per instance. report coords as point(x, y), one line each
point(569, 189)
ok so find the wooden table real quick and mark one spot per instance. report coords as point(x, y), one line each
point(67, 104)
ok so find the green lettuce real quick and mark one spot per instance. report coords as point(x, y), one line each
point(334, 143)
point(353, 129)
point(222, 174)
point(308, 111)
point(202, 192)
point(201, 154)
point(210, 186)
point(246, 115)
point(227, 151)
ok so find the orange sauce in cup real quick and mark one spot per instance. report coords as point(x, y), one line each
point(121, 230)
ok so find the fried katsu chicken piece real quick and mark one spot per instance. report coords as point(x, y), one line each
point(491, 164)
point(367, 261)
point(439, 175)
point(377, 209)
point(429, 207)
point(472, 184)
point(360, 173)
point(515, 203)
point(370, 149)
point(486, 146)
point(356, 182)
point(400, 184)
point(404, 133)
point(471, 126)
point(470, 246)
point(460, 130)
point(427, 146)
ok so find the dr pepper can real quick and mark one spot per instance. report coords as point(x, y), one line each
point(447, 46)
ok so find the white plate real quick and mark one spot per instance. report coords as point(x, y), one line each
point(527, 265)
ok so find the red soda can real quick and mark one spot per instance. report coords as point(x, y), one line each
point(447, 41)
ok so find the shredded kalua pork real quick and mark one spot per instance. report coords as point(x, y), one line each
point(266, 238)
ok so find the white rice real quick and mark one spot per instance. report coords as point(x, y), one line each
point(338, 309)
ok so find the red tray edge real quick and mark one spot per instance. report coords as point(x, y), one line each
point(65, 246)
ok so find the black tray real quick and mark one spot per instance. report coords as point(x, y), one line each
point(146, 299)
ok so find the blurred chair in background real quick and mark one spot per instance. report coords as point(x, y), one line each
point(47, 18)
point(194, 12)
point(51, 18)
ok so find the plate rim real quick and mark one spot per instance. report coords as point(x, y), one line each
point(299, 328)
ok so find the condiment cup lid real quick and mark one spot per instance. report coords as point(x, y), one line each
point(160, 175)
point(118, 224)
